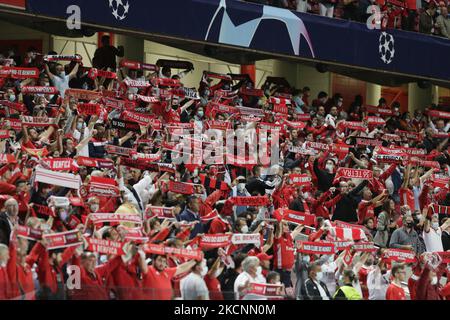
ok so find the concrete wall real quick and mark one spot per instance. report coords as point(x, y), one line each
point(10, 31)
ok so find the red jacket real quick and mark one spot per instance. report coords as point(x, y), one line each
point(48, 274)
point(424, 289)
point(126, 283)
point(93, 286)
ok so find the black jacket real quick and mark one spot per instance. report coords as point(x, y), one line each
point(5, 229)
point(445, 240)
point(345, 209)
point(310, 291)
point(324, 178)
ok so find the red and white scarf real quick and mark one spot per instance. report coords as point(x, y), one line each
point(66, 180)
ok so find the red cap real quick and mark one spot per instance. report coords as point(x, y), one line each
point(264, 257)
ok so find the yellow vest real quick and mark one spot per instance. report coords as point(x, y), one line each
point(350, 293)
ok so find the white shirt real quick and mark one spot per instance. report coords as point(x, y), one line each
point(328, 271)
point(433, 241)
point(193, 286)
point(61, 83)
point(322, 292)
point(377, 284)
point(242, 279)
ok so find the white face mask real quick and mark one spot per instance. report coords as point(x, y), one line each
point(218, 272)
point(204, 268)
point(259, 270)
point(94, 207)
point(131, 96)
point(329, 167)
point(12, 98)
point(435, 225)
point(63, 215)
point(434, 281)
point(319, 276)
point(244, 229)
point(306, 259)
point(419, 217)
point(241, 187)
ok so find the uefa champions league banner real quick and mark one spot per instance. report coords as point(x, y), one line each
point(267, 29)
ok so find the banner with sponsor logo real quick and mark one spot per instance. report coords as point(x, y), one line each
point(400, 255)
point(264, 290)
point(319, 247)
point(160, 212)
point(300, 179)
point(188, 254)
point(364, 247)
point(97, 218)
point(246, 238)
point(103, 187)
point(95, 163)
point(211, 241)
point(60, 164)
point(63, 239)
point(350, 173)
point(254, 201)
point(298, 217)
point(368, 142)
point(122, 151)
point(29, 233)
point(19, 73)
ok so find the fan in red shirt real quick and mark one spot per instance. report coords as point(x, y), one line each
point(395, 290)
point(157, 281)
point(126, 278)
point(215, 269)
point(221, 224)
point(92, 284)
point(367, 205)
point(283, 251)
point(362, 275)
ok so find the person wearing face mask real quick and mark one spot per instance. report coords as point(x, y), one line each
point(406, 237)
point(239, 190)
point(378, 281)
point(221, 224)
point(313, 288)
point(283, 251)
point(247, 277)
point(432, 234)
point(8, 219)
point(193, 287)
point(427, 287)
point(324, 176)
point(60, 79)
point(347, 290)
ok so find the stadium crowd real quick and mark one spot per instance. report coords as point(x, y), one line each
point(430, 17)
point(94, 205)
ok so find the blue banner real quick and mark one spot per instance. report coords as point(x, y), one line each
point(267, 29)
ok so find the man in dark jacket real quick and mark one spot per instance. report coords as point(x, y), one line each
point(313, 288)
point(325, 176)
point(426, 19)
point(8, 220)
point(105, 57)
point(191, 214)
point(345, 208)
